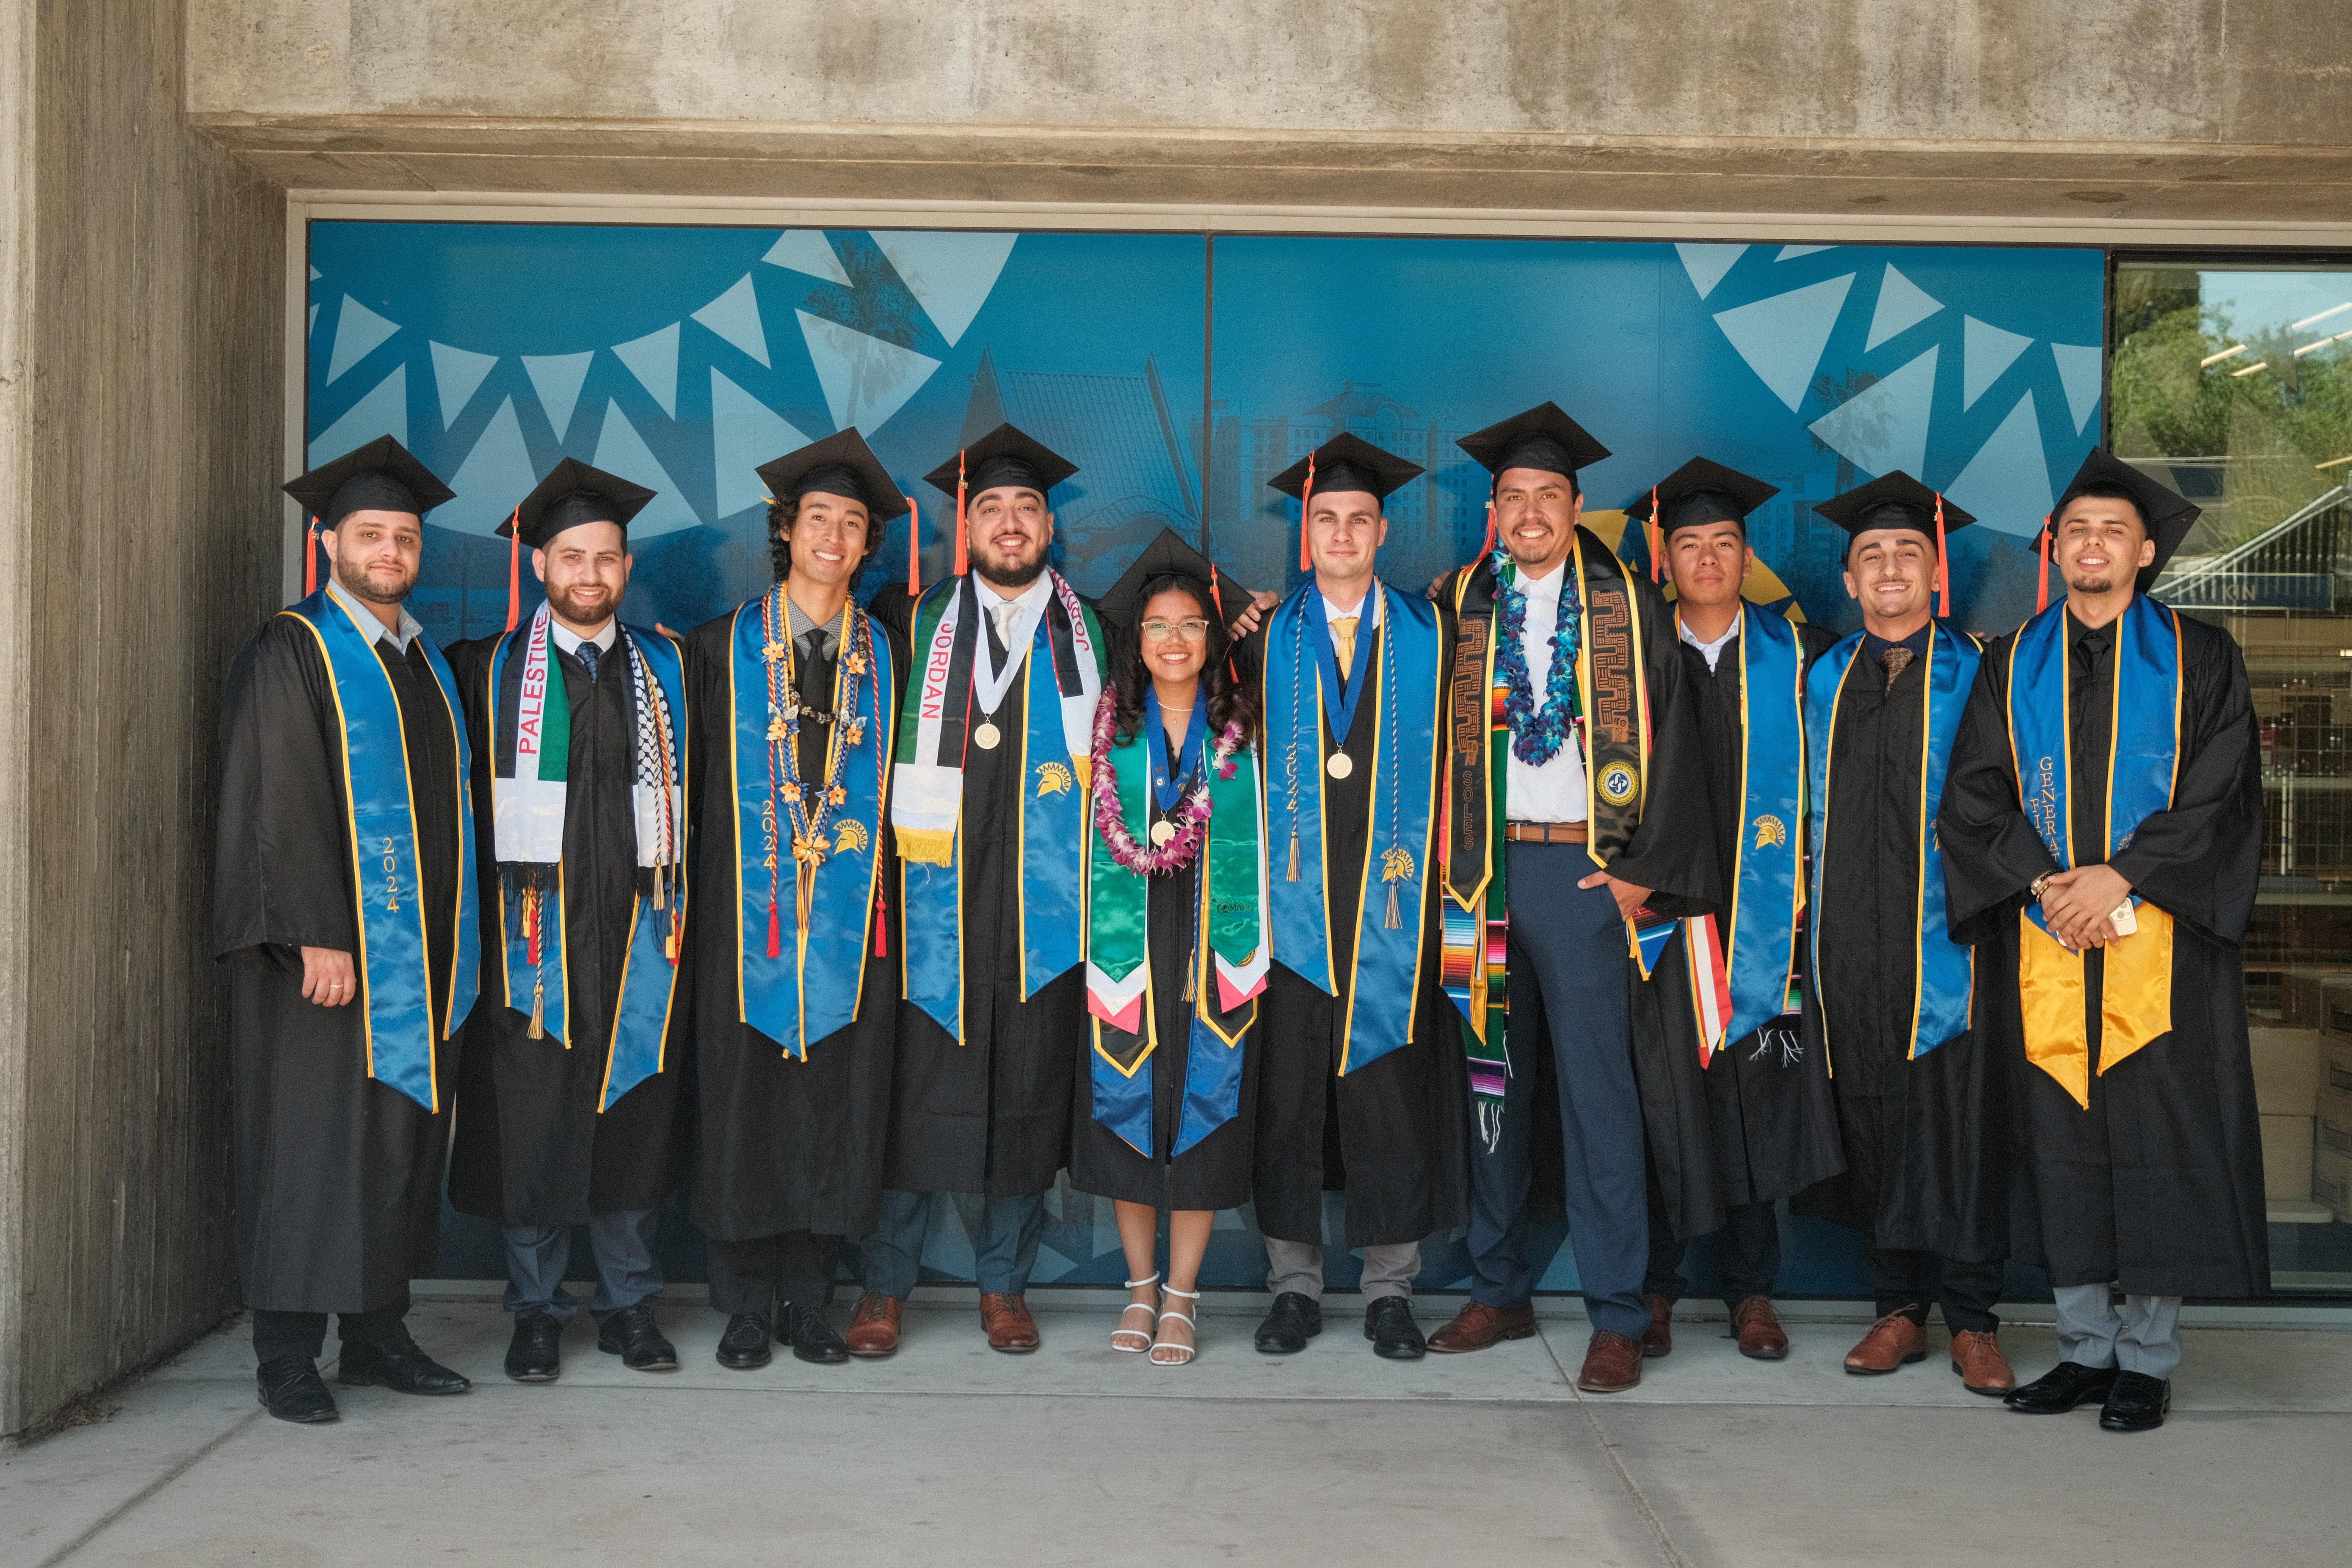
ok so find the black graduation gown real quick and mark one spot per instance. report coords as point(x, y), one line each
point(783, 1145)
point(2159, 1184)
point(1214, 1173)
point(1759, 1123)
point(530, 1148)
point(1394, 1133)
point(1926, 1146)
point(338, 1176)
point(990, 1113)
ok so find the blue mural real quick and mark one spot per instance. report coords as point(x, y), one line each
point(682, 356)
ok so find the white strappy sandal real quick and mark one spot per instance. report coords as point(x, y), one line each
point(1119, 1336)
point(1186, 1318)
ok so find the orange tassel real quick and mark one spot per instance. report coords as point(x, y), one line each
point(914, 548)
point(2041, 589)
point(1943, 565)
point(775, 932)
point(963, 562)
point(310, 558)
point(1657, 539)
point(514, 570)
point(1306, 501)
point(1488, 547)
point(1218, 600)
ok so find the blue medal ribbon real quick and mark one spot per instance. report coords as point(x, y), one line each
point(1338, 696)
point(1167, 789)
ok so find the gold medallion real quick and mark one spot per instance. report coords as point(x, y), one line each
point(1340, 765)
point(986, 736)
point(1163, 831)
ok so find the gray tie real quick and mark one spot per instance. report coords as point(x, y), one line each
point(1006, 611)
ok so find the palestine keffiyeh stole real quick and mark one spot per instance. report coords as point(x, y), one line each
point(533, 740)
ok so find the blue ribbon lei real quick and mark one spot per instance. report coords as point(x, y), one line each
point(393, 964)
point(1944, 970)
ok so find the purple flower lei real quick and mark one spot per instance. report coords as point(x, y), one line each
point(1535, 737)
point(1192, 817)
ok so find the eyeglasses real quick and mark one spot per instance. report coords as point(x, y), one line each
point(1194, 630)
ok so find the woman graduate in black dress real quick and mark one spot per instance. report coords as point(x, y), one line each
point(1177, 950)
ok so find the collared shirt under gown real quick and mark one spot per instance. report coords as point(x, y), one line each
point(530, 1147)
point(989, 1113)
point(338, 1176)
point(2157, 1186)
point(1927, 1139)
point(782, 1145)
point(1759, 1123)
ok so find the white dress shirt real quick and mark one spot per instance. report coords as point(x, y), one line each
point(408, 631)
point(1712, 650)
point(569, 641)
point(1554, 792)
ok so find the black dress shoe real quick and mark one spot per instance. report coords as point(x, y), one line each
point(744, 1345)
point(292, 1390)
point(2138, 1403)
point(403, 1368)
point(630, 1333)
point(535, 1354)
point(812, 1337)
point(1295, 1320)
point(2062, 1388)
point(1388, 1323)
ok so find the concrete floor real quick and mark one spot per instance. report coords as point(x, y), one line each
point(1076, 1455)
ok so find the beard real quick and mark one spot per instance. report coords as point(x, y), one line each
point(1009, 574)
point(2093, 583)
point(572, 606)
point(353, 576)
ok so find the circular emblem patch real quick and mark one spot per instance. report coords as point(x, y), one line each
point(1617, 784)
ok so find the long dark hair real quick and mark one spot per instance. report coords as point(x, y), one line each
point(786, 510)
point(1229, 702)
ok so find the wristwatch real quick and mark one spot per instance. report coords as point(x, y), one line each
point(2034, 891)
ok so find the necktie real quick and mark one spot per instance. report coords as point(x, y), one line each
point(589, 654)
point(1006, 611)
point(817, 649)
point(1343, 642)
point(1896, 660)
point(816, 646)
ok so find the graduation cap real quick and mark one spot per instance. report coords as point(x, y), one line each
point(1167, 555)
point(2169, 516)
point(572, 494)
point(1005, 456)
point(383, 475)
point(1699, 493)
point(1539, 438)
point(1342, 465)
point(841, 464)
point(1897, 501)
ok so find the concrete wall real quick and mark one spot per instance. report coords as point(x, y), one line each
point(142, 277)
point(2213, 109)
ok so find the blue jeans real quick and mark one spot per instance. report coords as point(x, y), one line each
point(1568, 977)
point(1004, 1252)
point(626, 1273)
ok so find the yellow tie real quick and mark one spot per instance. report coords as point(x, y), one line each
point(1343, 643)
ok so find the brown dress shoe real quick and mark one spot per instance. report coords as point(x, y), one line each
point(874, 1327)
point(1894, 1340)
point(1612, 1363)
point(1010, 1327)
point(1757, 1329)
point(1477, 1325)
point(1983, 1368)
point(1658, 1339)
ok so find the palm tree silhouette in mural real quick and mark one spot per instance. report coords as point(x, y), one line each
point(1836, 392)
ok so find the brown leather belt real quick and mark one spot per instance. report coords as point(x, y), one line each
point(1545, 832)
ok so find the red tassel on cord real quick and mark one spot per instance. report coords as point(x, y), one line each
point(1306, 501)
point(310, 558)
point(963, 562)
point(775, 932)
point(1943, 565)
point(882, 925)
point(914, 548)
point(1657, 539)
point(514, 570)
point(2041, 589)
point(1488, 549)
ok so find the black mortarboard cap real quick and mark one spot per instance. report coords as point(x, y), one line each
point(1345, 463)
point(383, 475)
point(1892, 500)
point(2169, 515)
point(1005, 456)
point(1167, 555)
point(840, 465)
point(1703, 491)
point(1541, 438)
point(573, 493)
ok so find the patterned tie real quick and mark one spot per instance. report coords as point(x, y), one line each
point(1896, 660)
point(1343, 643)
point(589, 654)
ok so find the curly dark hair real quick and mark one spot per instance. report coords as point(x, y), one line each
point(780, 548)
point(1229, 702)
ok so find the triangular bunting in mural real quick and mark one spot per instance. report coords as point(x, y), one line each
point(735, 316)
point(556, 378)
point(357, 331)
point(1884, 427)
point(1986, 352)
point(865, 380)
point(621, 450)
point(1790, 252)
point(494, 476)
point(456, 374)
point(745, 433)
point(1782, 338)
point(950, 273)
point(1902, 305)
point(382, 411)
point(2007, 483)
point(807, 250)
point(1706, 264)
point(2080, 372)
point(652, 360)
